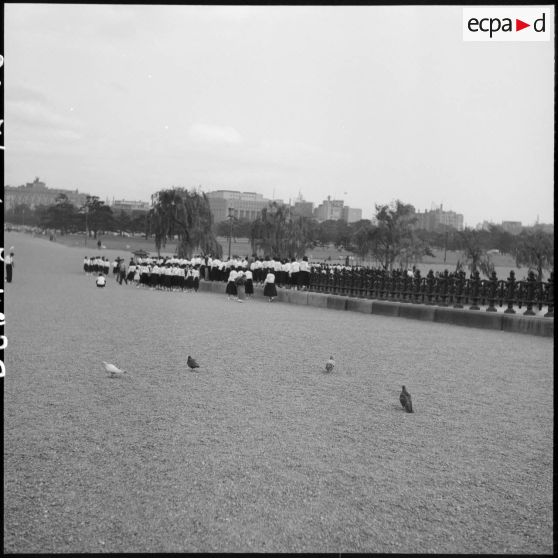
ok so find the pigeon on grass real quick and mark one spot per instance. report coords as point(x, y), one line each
point(192, 363)
point(113, 370)
point(330, 364)
point(405, 398)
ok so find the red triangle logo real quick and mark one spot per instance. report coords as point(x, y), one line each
point(519, 25)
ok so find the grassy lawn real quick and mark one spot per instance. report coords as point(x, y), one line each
point(241, 247)
point(259, 450)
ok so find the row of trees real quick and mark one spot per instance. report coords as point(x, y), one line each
point(92, 217)
point(393, 240)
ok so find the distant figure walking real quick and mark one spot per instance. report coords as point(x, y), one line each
point(122, 273)
point(9, 267)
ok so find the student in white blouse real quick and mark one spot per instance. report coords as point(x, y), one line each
point(270, 290)
point(249, 285)
point(231, 289)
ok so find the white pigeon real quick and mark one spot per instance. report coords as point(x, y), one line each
point(330, 364)
point(113, 370)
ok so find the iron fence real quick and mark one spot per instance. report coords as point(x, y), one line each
point(444, 289)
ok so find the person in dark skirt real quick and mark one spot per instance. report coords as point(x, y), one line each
point(231, 289)
point(249, 285)
point(9, 261)
point(189, 279)
point(196, 275)
point(304, 274)
point(131, 271)
point(154, 277)
point(270, 290)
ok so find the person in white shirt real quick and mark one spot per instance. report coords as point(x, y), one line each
point(270, 290)
point(231, 289)
point(249, 285)
point(189, 279)
point(295, 270)
point(304, 274)
point(196, 276)
point(131, 270)
point(101, 281)
point(256, 268)
point(283, 274)
point(10, 264)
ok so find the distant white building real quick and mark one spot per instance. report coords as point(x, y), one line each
point(329, 210)
point(245, 205)
point(129, 206)
point(513, 227)
point(438, 218)
point(336, 209)
point(351, 214)
point(36, 193)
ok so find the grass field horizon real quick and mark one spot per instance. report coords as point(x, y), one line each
point(260, 451)
point(240, 247)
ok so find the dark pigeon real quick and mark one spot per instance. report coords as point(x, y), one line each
point(405, 398)
point(192, 363)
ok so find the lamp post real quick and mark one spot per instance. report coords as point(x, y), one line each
point(231, 217)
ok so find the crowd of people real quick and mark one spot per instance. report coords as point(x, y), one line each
point(180, 274)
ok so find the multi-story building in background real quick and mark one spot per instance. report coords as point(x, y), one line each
point(351, 214)
point(245, 205)
point(129, 207)
point(248, 205)
point(329, 210)
point(513, 227)
point(303, 208)
point(438, 219)
point(36, 193)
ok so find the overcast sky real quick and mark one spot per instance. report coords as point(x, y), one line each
point(365, 104)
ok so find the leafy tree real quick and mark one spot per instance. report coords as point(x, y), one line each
point(62, 215)
point(240, 228)
point(20, 214)
point(139, 222)
point(97, 215)
point(501, 239)
point(535, 250)
point(123, 222)
point(474, 251)
point(177, 211)
point(363, 234)
point(396, 238)
point(327, 232)
point(278, 232)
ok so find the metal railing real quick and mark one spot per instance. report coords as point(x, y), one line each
point(445, 289)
